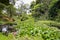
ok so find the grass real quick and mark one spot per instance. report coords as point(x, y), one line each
point(3, 37)
point(30, 30)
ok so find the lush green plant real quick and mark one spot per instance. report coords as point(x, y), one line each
point(40, 29)
point(31, 30)
point(9, 37)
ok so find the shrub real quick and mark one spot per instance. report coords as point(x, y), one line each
point(38, 30)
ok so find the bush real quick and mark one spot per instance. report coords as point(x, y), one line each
point(24, 16)
point(38, 30)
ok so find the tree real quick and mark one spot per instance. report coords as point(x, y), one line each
point(43, 8)
point(54, 11)
point(3, 4)
point(9, 6)
point(2, 7)
point(11, 10)
point(32, 4)
point(40, 8)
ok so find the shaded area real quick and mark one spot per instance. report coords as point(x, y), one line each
point(6, 2)
point(53, 11)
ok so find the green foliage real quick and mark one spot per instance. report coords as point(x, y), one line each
point(31, 30)
point(11, 10)
point(45, 8)
point(58, 15)
point(38, 30)
point(53, 10)
point(23, 17)
point(28, 28)
point(33, 4)
point(1, 7)
point(40, 9)
point(51, 23)
point(3, 4)
point(52, 3)
point(9, 37)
